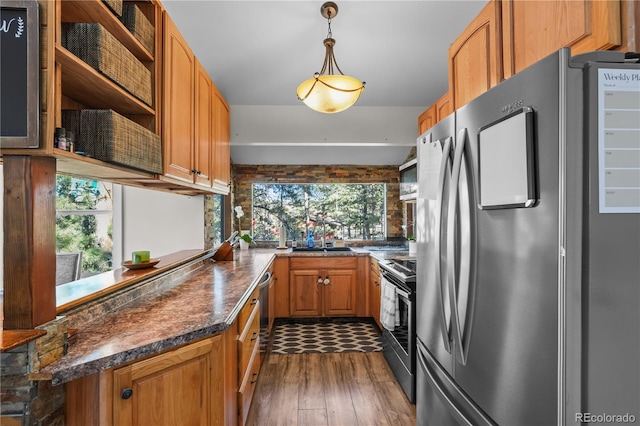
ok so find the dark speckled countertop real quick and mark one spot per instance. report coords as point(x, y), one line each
point(191, 307)
point(195, 305)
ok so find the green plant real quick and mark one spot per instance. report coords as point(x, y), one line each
point(247, 238)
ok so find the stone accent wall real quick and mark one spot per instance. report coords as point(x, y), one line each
point(27, 398)
point(243, 176)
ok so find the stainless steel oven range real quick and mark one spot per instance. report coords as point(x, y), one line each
point(398, 341)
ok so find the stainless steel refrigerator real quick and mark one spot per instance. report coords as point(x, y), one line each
point(528, 262)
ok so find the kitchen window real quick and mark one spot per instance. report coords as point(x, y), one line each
point(84, 221)
point(339, 211)
point(218, 219)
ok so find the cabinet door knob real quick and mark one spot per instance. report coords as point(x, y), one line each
point(126, 393)
point(254, 336)
point(319, 280)
point(254, 301)
point(255, 378)
point(326, 281)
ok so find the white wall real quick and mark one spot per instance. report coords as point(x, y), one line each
point(283, 134)
point(159, 222)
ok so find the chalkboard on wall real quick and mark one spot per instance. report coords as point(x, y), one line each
point(19, 74)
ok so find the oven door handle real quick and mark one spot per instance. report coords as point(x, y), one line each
point(402, 293)
point(399, 290)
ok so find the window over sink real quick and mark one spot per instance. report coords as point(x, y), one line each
point(339, 211)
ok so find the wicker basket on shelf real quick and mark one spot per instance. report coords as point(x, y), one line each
point(114, 5)
point(108, 136)
point(139, 25)
point(93, 44)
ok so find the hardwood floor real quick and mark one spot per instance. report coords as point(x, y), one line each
point(329, 389)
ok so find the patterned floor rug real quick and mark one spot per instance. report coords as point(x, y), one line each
point(326, 337)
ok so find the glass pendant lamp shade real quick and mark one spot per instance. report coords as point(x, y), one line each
point(330, 92)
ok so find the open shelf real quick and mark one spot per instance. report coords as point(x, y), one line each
point(87, 86)
point(78, 165)
point(97, 11)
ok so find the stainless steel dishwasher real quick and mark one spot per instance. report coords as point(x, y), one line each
point(265, 333)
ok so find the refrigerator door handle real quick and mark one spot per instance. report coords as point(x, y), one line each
point(449, 392)
point(459, 246)
point(445, 324)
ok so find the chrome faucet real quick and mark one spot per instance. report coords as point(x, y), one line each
point(324, 232)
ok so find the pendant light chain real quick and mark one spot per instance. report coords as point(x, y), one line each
point(327, 91)
point(329, 57)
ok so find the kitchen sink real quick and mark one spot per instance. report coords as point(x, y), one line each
point(320, 249)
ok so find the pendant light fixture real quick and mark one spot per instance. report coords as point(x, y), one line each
point(330, 92)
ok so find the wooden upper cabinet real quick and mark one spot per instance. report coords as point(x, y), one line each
point(475, 57)
point(435, 113)
point(179, 105)
point(196, 119)
point(204, 139)
point(535, 29)
point(427, 119)
point(443, 107)
point(222, 136)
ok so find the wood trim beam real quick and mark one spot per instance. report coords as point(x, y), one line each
point(29, 241)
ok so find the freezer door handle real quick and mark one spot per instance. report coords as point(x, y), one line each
point(455, 399)
point(460, 248)
point(445, 173)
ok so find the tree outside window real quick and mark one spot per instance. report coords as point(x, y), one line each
point(339, 211)
point(84, 221)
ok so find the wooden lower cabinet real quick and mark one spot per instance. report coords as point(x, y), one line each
point(281, 287)
point(248, 326)
point(184, 386)
point(248, 386)
point(181, 386)
point(375, 291)
point(305, 292)
point(209, 382)
point(323, 286)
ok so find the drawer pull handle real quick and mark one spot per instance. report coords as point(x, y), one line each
point(126, 393)
point(255, 378)
point(254, 337)
point(254, 301)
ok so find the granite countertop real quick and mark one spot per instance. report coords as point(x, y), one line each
point(201, 303)
point(382, 255)
point(193, 306)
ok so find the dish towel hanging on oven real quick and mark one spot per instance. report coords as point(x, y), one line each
point(389, 307)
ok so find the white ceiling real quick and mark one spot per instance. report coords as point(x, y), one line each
point(257, 52)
